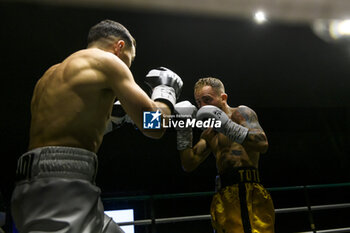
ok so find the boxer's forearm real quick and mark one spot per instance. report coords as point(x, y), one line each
point(158, 133)
point(165, 110)
point(191, 158)
point(188, 160)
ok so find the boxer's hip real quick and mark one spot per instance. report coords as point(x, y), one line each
point(237, 175)
point(241, 203)
point(57, 161)
point(55, 191)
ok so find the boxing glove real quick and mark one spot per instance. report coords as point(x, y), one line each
point(118, 118)
point(118, 114)
point(165, 84)
point(184, 136)
point(232, 130)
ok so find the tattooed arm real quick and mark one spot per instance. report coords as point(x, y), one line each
point(191, 158)
point(256, 138)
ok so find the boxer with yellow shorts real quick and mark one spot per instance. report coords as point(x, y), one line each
point(241, 203)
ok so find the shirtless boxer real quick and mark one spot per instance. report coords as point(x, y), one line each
point(71, 107)
point(241, 203)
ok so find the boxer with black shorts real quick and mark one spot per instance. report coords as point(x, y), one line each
point(71, 108)
point(241, 203)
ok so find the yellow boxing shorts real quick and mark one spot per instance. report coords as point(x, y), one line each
point(242, 204)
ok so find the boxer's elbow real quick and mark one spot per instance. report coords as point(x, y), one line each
point(257, 141)
point(264, 149)
point(188, 163)
point(188, 167)
point(154, 134)
point(263, 146)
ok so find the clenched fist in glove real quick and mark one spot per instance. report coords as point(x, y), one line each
point(166, 85)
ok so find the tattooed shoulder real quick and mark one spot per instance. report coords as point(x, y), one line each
point(248, 113)
point(250, 116)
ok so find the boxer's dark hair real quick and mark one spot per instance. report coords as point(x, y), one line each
point(215, 83)
point(108, 28)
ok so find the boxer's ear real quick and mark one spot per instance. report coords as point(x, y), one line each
point(224, 97)
point(118, 47)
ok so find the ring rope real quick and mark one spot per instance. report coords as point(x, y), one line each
point(199, 194)
point(208, 217)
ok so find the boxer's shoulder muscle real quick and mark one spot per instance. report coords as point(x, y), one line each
point(247, 113)
point(109, 68)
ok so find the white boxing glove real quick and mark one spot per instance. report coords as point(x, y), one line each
point(232, 130)
point(185, 109)
point(184, 136)
point(166, 85)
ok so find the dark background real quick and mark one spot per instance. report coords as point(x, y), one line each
point(297, 84)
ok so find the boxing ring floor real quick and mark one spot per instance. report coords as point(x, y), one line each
point(307, 208)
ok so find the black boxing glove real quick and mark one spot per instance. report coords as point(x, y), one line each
point(118, 118)
point(166, 86)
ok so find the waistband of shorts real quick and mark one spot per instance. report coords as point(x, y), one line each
point(57, 161)
point(239, 175)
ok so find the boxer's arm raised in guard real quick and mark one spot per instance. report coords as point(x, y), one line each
point(191, 158)
point(133, 99)
point(243, 127)
point(256, 138)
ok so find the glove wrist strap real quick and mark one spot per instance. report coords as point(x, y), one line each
point(235, 132)
point(165, 94)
